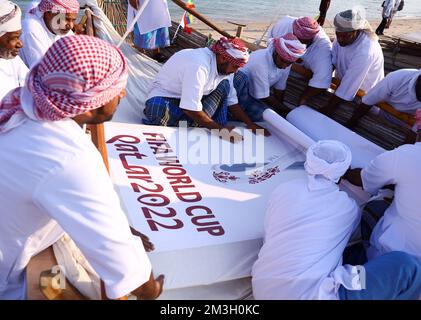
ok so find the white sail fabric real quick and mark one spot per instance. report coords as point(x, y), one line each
point(319, 127)
point(142, 69)
point(155, 16)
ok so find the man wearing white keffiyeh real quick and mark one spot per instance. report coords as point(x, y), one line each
point(12, 69)
point(357, 57)
point(308, 224)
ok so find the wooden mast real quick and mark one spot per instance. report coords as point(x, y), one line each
point(182, 5)
point(96, 130)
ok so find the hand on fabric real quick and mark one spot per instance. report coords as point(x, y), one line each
point(354, 177)
point(79, 29)
point(254, 127)
point(227, 134)
point(151, 289)
point(147, 244)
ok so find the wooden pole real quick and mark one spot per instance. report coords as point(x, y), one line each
point(182, 5)
point(96, 130)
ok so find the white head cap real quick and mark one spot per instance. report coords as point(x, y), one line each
point(10, 17)
point(327, 160)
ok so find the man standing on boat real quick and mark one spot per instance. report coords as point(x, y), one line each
point(12, 69)
point(45, 24)
point(195, 86)
point(357, 57)
point(151, 31)
point(308, 224)
point(390, 7)
point(318, 57)
point(53, 179)
point(261, 83)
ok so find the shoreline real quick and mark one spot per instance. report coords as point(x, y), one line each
point(254, 30)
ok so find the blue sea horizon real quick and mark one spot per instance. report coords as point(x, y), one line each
point(248, 11)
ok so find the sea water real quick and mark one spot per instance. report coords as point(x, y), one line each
point(259, 11)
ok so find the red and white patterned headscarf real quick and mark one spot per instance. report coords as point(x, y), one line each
point(289, 47)
point(234, 50)
point(76, 75)
point(305, 28)
point(56, 6)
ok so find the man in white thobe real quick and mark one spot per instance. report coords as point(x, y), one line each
point(308, 224)
point(399, 228)
point(390, 7)
point(401, 89)
point(261, 83)
point(12, 69)
point(195, 86)
point(43, 25)
point(357, 58)
point(52, 178)
point(318, 57)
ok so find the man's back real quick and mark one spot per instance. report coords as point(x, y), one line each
point(36, 160)
point(399, 229)
point(305, 235)
point(182, 67)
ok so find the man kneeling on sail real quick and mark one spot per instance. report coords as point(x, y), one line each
point(195, 86)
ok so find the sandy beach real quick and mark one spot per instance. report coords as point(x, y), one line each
point(254, 31)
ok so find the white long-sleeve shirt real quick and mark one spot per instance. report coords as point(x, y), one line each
point(12, 75)
point(358, 66)
point(189, 75)
point(37, 39)
point(390, 8)
point(399, 228)
point(305, 235)
point(263, 74)
point(318, 57)
point(397, 89)
point(52, 179)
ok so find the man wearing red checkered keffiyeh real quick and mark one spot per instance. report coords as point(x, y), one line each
point(59, 15)
point(53, 179)
point(49, 21)
point(195, 87)
point(261, 83)
point(232, 51)
point(75, 77)
point(56, 6)
point(318, 57)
